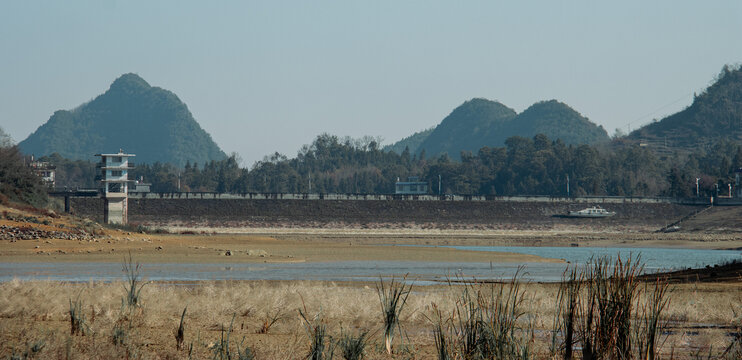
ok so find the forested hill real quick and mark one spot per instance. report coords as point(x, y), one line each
point(150, 122)
point(715, 114)
point(554, 119)
point(481, 122)
point(411, 143)
point(467, 128)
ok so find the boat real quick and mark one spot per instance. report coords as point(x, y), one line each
point(591, 212)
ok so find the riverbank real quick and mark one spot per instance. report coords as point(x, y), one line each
point(37, 313)
point(326, 245)
point(189, 248)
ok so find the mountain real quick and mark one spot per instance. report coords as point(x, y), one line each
point(714, 115)
point(411, 142)
point(481, 122)
point(555, 120)
point(467, 127)
point(148, 121)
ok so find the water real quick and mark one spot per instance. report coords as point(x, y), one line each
point(420, 272)
point(654, 259)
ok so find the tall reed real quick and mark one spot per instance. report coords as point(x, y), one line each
point(393, 298)
point(650, 325)
point(133, 285)
point(566, 313)
point(353, 346)
point(180, 332)
point(441, 334)
point(222, 350)
point(319, 346)
point(78, 324)
point(734, 350)
point(487, 322)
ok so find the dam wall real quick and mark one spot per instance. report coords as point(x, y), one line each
point(512, 213)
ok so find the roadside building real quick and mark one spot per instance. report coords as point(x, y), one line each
point(140, 186)
point(45, 170)
point(413, 186)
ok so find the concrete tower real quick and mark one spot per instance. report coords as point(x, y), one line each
point(115, 178)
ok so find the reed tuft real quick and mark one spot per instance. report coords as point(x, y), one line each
point(78, 324)
point(393, 298)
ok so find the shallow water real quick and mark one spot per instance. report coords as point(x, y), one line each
point(654, 259)
point(420, 272)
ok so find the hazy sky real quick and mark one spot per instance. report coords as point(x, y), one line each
point(269, 76)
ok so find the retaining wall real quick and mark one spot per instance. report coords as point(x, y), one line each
point(520, 213)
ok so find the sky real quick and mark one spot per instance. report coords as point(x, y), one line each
point(269, 76)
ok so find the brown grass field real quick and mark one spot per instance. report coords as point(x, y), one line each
point(701, 318)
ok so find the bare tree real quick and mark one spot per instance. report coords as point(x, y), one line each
point(5, 139)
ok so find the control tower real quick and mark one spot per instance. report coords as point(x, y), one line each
point(115, 178)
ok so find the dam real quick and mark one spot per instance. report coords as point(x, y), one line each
point(378, 211)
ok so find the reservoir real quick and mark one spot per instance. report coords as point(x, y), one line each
point(654, 259)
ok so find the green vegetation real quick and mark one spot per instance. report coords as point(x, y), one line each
point(148, 121)
point(533, 166)
point(467, 128)
point(555, 120)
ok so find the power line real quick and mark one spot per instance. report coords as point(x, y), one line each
point(628, 124)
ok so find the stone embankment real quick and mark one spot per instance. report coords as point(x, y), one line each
point(515, 215)
point(14, 233)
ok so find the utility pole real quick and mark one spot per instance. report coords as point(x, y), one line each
point(310, 183)
point(439, 184)
point(567, 185)
point(697, 186)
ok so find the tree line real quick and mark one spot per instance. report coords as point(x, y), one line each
point(524, 166)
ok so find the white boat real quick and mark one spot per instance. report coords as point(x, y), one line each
point(592, 212)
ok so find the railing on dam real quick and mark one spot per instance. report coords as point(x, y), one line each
point(392, 197)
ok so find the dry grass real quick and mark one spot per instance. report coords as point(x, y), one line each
point(39, 311)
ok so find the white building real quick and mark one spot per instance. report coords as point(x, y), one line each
point(44, 170)
point(115, 179)
point(413, 186)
